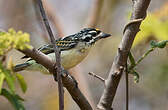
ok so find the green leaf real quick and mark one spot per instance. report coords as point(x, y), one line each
point(22, 82)
point(19, 97)
point(10, 80)
point(8, 77)
point(135, 74)
point(160, 44)
point(13, 99)
point(2, 77)
point(153, 44)
point(131, 58)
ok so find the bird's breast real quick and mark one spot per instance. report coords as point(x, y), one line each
point(72, 57)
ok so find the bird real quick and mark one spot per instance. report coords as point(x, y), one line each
point(73, 49)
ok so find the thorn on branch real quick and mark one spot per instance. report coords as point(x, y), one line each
point(118, 71)
point(97, 76)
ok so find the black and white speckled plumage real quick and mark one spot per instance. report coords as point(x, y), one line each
point(74, 48)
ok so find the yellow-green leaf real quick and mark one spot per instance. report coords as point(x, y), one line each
point(160, 44)
point(13, 99)
point(2, 77)
point(8, 77)
point(22, 82)
point(131, 58)
point(10, 80)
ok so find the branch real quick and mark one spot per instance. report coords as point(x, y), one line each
point(39, 19)
point(68, 81)
point(139, 11)
point(54, 19)
point(57, 65)
point(97, 76)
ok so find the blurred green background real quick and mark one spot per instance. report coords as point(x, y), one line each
point(151, 93)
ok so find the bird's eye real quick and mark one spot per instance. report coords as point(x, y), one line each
point(87, 39)
point(98, 31)
point(94, 33)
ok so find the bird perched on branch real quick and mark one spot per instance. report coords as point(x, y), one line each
point(74, 48)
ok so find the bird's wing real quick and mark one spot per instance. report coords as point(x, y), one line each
point(62, 45)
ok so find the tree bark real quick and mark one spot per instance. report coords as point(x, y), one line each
point(139, 12)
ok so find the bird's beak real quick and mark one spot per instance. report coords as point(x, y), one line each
point(102, 35)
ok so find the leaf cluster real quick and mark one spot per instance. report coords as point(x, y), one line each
point(12, 40)
point(131, 67)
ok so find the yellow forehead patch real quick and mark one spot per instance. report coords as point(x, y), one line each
point(97, 29)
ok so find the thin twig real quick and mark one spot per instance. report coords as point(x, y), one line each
point(141, 58)
point(144, 55)
point(57, 65)
point(54, 19)
point(97, 76)
point(127, 87)
point(39, 19)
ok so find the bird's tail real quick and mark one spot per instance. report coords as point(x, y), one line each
point(21, 67)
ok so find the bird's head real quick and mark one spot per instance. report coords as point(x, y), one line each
point(87, 35)
point(90, 35)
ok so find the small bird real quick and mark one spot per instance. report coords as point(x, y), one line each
point(74, 48)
